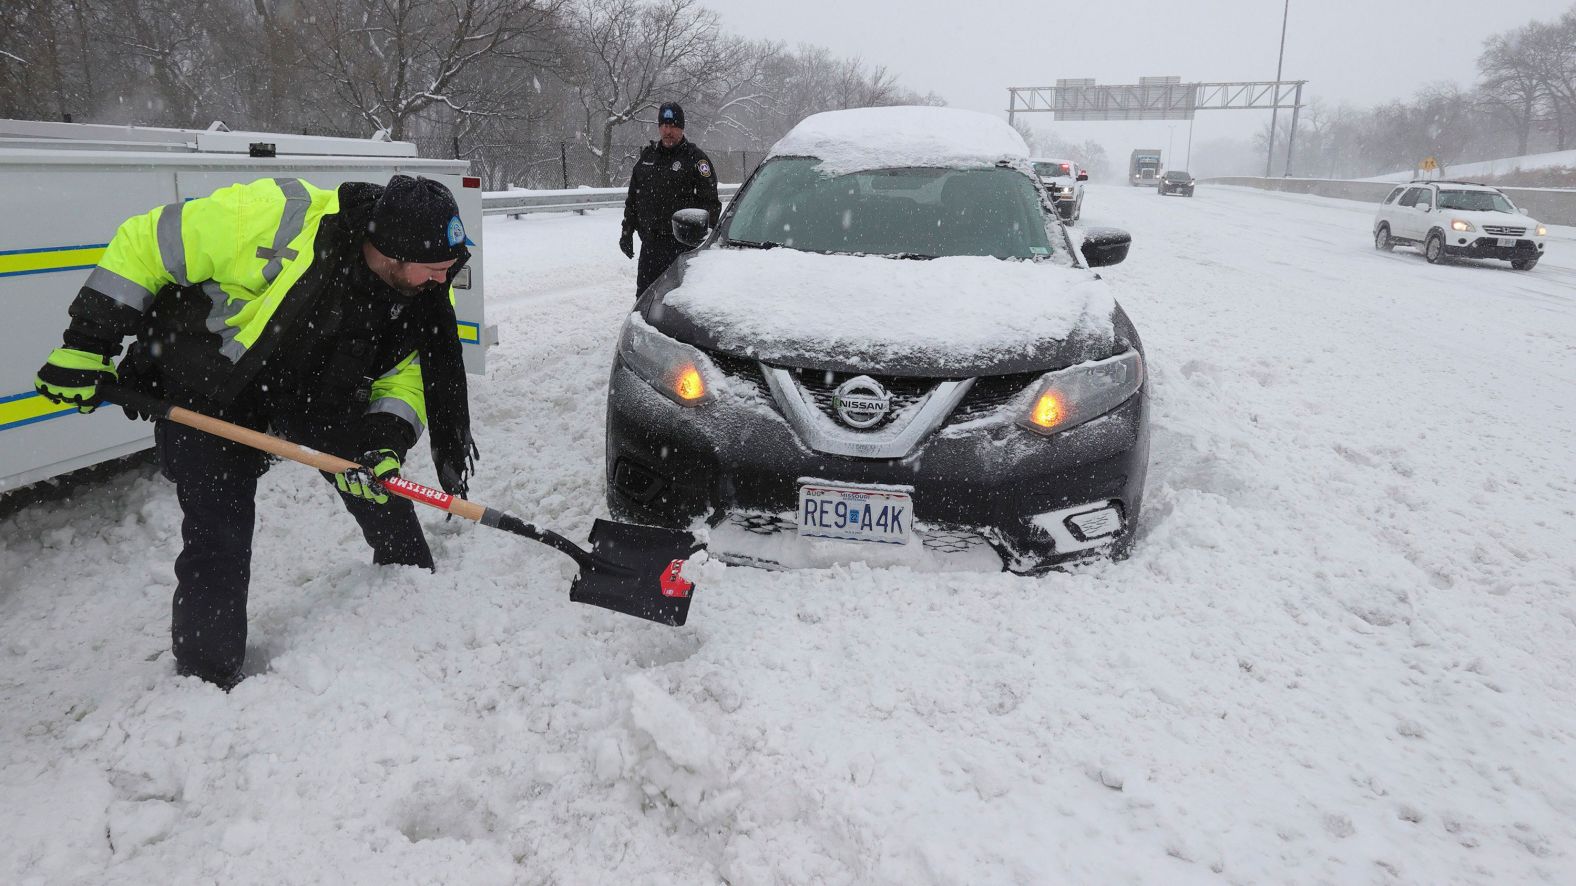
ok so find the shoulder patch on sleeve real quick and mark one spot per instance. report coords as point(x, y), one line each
point(704, 168)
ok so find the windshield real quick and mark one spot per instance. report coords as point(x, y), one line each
point(1177, 176)
point(1052, 168)
point(915, 213)
point(1481, 201)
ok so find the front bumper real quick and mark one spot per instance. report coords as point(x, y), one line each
point(987, 483)
point(1468, 245)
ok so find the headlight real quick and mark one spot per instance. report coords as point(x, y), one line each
point(1069, 397)
point(1459, 225)
point(679, 372)
point(1543, 231)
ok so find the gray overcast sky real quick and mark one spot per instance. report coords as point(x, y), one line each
point(970, 51)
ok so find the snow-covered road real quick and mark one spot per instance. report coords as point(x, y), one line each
point(1344, 650)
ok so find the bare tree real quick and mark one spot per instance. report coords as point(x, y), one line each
point(391, 61)
point(738, 99)
point(1549, 50)
point(47, 63)
point(1511, 83)
point(504, 83)
point(856, 88)
point(634, 54)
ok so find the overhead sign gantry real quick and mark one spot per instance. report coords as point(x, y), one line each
point(1156, 98)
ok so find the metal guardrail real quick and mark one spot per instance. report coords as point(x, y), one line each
point(574, 200)
point(1551, 206)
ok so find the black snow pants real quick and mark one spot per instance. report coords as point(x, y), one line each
point(216, 482)
point(656, 253)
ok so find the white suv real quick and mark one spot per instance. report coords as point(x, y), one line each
point(1064, 181)
point(1450, 218)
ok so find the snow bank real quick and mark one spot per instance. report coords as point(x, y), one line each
point(1341, 652)
point(1503, 166)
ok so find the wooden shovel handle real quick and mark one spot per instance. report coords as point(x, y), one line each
point(295, 452)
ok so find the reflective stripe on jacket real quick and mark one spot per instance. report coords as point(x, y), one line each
point(252, 251)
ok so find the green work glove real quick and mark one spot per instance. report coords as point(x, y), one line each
point(626, 244)
point(72, 377)
point(362, 480)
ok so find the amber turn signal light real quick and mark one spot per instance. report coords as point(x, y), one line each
point(689, 386)
point(1049, 411)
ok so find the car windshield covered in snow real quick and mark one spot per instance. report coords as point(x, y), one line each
point(1481, 201)
point(1175, 176)
point(909, 212)
point(1052, 169)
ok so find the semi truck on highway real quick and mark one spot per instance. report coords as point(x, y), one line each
point(1144, 167)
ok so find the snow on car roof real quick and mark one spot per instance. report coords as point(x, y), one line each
point(879, 138)
point(873, 310)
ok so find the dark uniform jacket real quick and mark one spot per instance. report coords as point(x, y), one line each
point(666, 180)
point(339, 343)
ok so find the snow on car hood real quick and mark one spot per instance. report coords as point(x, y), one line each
point(895, 137)
point(964, 315)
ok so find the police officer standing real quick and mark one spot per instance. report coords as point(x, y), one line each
point(671, 174)
point(324, 314)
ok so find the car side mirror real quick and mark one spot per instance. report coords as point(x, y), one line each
point(1083, 176)
point(690, 226)
point(1105, 246)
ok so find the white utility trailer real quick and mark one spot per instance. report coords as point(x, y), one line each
point(66, 187)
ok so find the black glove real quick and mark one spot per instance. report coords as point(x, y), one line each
point(138, 372)
point(71, 377)
point(627, 243)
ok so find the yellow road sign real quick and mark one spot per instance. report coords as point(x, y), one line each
point(1430, 164)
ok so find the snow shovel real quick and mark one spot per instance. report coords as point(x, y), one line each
point(630, 569)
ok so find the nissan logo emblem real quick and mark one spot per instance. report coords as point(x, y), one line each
point(861, 402)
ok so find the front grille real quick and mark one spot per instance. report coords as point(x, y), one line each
point(952, 541)
point(822, 386)
point(743, 369)
point(990, 393)
point(1502, 231)
point(763, 524)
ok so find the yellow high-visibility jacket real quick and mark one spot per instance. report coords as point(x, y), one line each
point(249, 256)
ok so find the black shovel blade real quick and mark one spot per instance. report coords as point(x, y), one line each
point(635, 570)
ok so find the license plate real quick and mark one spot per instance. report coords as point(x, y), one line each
point(853, 513)
point(1507, 241)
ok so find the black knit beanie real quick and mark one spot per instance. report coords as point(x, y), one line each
point(417, 220)
point(671, 112)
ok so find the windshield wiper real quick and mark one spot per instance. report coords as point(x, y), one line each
point(916, 256)
point(754, 244)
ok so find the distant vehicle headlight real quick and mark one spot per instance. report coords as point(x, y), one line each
point(1459, 225)
point(678, 371)
point(1543, 231)
point(1069, 397)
